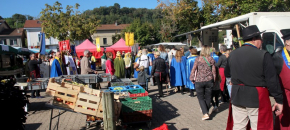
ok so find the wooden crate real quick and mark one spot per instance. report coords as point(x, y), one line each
point(53, 85)
point(87, 90)
point(65, 97)
point(87, 104)
point(100, 110)
point(78, 88)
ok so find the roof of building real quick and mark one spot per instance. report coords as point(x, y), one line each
point(112, 26)
point(32, 24)
point(11, 32)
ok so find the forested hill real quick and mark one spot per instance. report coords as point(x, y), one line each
point(111, 14)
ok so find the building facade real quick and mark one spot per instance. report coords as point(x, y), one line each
point(106, 31)
point(11, 36)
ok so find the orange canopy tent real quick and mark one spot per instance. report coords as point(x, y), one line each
point(118, 46)
point(87, 45)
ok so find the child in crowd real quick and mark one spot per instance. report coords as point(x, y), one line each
point(142, 76)
point(216, 91)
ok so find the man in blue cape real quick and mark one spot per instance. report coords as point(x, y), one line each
point(56, 69)
point(189, 65)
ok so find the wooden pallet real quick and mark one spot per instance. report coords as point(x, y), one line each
point(87, 104)
point(65, 97)
point(53, 85)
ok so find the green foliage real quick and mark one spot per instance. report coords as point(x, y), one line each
point(111, 14)
point(1, 18)
point(17, 20)
point(214, 11)
point(70, 25)
point(144, 33)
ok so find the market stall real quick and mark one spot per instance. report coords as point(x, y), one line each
point(118, 46)
point(87, 45)
point(72, 93)
point(8, 65)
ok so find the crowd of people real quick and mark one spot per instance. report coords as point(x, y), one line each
point(244, 77)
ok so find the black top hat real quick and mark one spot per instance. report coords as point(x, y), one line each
point(286, 36)
point(250, 32)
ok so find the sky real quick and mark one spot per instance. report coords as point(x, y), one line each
point(34, 7)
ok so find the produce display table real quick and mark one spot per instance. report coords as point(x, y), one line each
point(60, 113)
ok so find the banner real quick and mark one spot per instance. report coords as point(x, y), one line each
point(64, 45)
point(98, 44)
point(129, 38)
point(72, 69)
point(42, 44)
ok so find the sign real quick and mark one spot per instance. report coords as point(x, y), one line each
point(64, 45)
point(44, 69)
point(98, 44)
point(72, 69)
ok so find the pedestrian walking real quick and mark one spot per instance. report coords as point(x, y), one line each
point(178, 71)
point(215, 93)
point(137, 58)
point(127, 61)
point(282, 65)
point(204, 79)
point(158, 72)
point(189, 65)
point(110, 64)
point(221, 64)
point(253, 76)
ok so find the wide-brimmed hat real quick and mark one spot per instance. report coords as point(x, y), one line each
point(286, 36)
point(250, 32)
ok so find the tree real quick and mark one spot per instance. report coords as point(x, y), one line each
point(179, 16)
point(70, 25)
point(214, 11)
point(1, 18)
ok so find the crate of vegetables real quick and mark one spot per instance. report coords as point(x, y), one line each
point(37, 84)
point(132, 95)
point(65, 97)
point(136, 104)
point(105, 77)
point(118, 89)
point(134, 89)
point(53, 85)
point(87, 104)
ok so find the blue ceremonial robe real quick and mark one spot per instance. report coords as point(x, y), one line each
point(215, 57)
point(55, 69)
point(178, 72)
point(136, 72)
point(189, 66)
point(151, 56)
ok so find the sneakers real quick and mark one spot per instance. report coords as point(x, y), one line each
point(205, 117)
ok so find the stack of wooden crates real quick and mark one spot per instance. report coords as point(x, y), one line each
point(75, 97)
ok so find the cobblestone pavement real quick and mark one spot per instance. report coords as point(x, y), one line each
point(179, 112)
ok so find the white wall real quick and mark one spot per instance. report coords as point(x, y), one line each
point(32, 38)
point(105, 34)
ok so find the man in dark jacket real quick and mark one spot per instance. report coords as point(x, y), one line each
point(34, 72)
point(253, 76)
point(159, 72)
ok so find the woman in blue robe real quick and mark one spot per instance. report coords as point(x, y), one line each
point(189, 65)
point(178, 71)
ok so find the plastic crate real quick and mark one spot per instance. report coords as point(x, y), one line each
point(111, 89)
point(132, 95)
point(136, 104)
point(136, 116)
point(119, 95)
point(37, 84)
point(105, 77)
point(89, 78)
point(68, 77)
point(135, 89)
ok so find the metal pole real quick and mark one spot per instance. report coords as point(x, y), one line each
point(58, 119)
point(50, 119)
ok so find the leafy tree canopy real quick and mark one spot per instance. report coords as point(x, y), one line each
point(69, 25)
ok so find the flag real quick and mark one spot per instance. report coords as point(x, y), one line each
point(42, 44)
point(127, 38)
point(131, 39)
point(98, 44)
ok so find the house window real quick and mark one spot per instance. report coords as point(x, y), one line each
point(11, 42)
point(3, 41)
point(15, 42)
point(105, 41)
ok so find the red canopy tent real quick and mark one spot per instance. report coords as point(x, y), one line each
point(118, 46)
point(87, 45)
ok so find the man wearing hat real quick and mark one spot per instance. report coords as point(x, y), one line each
point(282, 65)
point(253, 76)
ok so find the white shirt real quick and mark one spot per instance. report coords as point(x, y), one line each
point(144, 61)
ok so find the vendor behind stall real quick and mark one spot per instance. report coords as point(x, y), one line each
point(85, 64)
point(34, 72)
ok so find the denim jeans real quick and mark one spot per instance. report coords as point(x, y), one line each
point(203, 92)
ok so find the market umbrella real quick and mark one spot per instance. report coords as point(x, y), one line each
point(4, 49)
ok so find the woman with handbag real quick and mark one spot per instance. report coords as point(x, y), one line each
point(203, 74)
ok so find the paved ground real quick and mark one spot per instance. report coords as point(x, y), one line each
point(179, 112)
